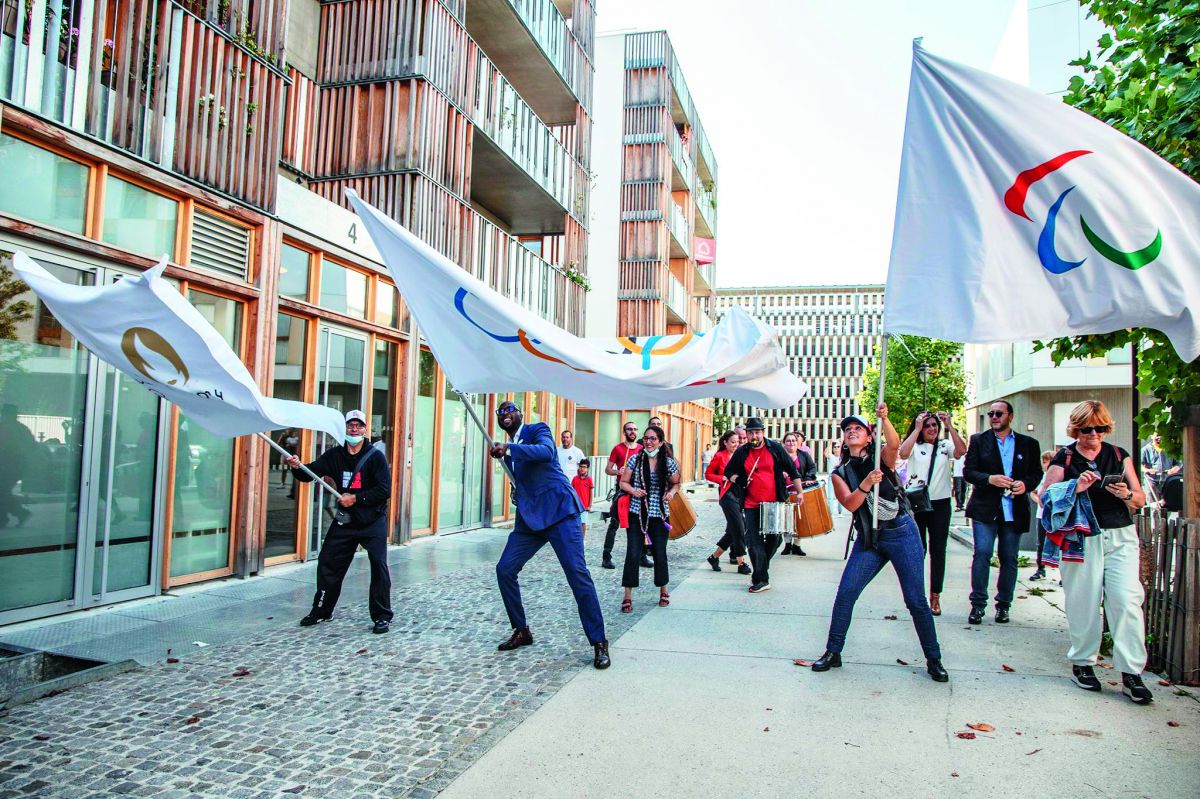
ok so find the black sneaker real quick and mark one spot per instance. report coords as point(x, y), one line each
point(796, 550)
point(1001, 615)
point(1085, 678)
point(715, 562)
point(733, 560)
point(381, 627)
point(1040, 574)
point(744, 568)
point(758, 588)
point(1133, 687)
point(607, 563)
point(313, 618)
point(976, 616)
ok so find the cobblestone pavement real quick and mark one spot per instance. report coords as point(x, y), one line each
point(330, 710)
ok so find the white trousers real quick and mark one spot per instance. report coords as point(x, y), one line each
point(1109, 571)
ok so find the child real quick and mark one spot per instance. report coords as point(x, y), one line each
point(582, 484)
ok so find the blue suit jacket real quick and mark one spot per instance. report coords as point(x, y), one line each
point(543, 493)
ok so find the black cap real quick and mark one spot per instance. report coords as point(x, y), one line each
point(754, 423)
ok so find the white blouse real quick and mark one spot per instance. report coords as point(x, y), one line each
point(918, 467)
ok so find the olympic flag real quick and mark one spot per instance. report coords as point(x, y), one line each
point(146, 329)
point(487, 343)
point(1019, 217)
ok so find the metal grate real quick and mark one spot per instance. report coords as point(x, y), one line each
point(219, 245)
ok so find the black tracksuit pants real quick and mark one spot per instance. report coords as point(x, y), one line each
point(762, 547)
point(734, 539)
point(337, 552)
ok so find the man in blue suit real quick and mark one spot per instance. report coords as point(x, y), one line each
point(548, 510)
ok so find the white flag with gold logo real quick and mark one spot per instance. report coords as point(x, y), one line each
point(145, 328)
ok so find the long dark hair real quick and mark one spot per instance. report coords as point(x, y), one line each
point(921, 436)
point(660, 468)
point(728, 434)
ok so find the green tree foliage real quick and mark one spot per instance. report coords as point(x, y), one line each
point(1144, 80)
point(903, 392)
point(13, 310)
point(722, 421)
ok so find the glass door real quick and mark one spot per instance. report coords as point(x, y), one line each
point(341, 384)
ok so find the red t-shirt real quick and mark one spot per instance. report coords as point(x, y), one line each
point(762, 483)
point(583, 487)
point(716, 467)
point(620, 454)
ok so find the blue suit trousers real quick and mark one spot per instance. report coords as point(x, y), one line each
point(566, 537)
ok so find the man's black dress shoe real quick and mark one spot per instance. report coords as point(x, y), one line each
point(936, 670)
point(607, 563)
point(830, 660)
point(976, 616)
point(520, 637)
point(602, 661)
point(1001, 615)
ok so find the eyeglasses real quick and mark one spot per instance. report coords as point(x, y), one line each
point(503, 409)
point(650, 439)
point(630, 429)
point(995, 414)
point(1102, 428)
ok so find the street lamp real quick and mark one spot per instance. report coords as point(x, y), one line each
point(923, 373)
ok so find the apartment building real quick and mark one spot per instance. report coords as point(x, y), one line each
point(222, 134)
point(829, 335)
point(654, 226)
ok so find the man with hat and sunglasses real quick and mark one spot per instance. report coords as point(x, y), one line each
point(359, 473)
point(762, 467)
point(548, 511)
point(1003, 466)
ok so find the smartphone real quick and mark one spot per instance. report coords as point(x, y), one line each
point(1111, 479)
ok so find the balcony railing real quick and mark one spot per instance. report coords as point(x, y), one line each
point(677, 299)
point(707, 273)
point(553, 34)
point(681, 231)
point(680, 157)
point(151, 79)
point(706, 205)
point(500, 112)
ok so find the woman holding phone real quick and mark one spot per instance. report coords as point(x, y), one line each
point(1108, 566)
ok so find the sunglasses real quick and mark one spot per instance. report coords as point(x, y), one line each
point(1102, 428)
point(996, 414)
point(503, 409)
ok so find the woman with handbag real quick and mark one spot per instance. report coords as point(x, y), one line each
point(930, 489)
point(651, 479)
point(891, 536)
point(730, 500)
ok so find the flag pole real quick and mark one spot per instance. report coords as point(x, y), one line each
point(462, 396)
point(303, 468)
point(879, 439)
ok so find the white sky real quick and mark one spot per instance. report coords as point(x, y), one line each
point(803, 102)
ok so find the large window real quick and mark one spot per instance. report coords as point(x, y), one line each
point(204, 469)
point(283, 503)
point(387, 304)
point(43, 186)
point(293, 272)
point(422, 441)
point(138, 219)
point(343, 290)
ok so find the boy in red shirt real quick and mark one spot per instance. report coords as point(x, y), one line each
point(582, 483)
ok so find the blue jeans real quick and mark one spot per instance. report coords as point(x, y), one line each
point(900, 542)
point(986, 535)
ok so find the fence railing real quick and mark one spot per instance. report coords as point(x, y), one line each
point(677, 298)
point(1170, 550)
point(680, 229)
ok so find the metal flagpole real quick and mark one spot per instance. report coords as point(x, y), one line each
point(303, 468)
point(479, 423)
point(879, 427)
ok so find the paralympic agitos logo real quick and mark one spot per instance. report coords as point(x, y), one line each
point(1014, 201)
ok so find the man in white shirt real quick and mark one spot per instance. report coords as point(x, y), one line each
point(569, 455)
point(960, 484)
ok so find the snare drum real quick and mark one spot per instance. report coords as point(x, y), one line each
point(776, 518)
point(816, 519)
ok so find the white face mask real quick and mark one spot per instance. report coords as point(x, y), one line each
point(354, 440)
point(652, 453)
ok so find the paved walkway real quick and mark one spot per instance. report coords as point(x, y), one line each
point(702, 699)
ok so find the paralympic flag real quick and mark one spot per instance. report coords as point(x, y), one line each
point(147, 330)
point(1019, 217)
point(487, 343)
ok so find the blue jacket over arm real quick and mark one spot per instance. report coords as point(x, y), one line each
point(543, 494)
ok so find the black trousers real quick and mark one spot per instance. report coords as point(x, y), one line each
point(735, 526)
point(935, 532)
point(614, 521)
point(762, 547)
point(1041, 545)
point(960, 491)
point(337, 552)
point(635, 543)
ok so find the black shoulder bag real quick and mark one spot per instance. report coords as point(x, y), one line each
point(342, 515)
point(918, 498)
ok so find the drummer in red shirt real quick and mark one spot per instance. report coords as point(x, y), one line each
point(764, 468)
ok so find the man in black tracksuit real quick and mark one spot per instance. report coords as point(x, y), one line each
point(763, 468)
point(363, 481)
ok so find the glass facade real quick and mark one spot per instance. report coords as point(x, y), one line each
point(202, 502)
point(283, 502)
point(293, 272)
point(343, 290)
point(138, 219)
point(42, 186)
point(422, 441)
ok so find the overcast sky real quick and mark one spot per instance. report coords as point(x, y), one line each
point(803, 102)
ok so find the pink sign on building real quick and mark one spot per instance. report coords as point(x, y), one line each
point(706, 250)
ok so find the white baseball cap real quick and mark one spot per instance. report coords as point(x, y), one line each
point(352, 416)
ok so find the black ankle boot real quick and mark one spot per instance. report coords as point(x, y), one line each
point(830, 660)
point(936, 670)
